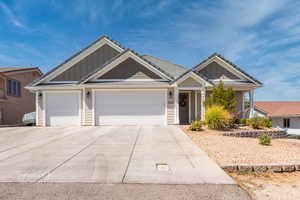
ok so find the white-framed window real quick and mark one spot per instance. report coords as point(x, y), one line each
point(13, 88)
point(286, 123)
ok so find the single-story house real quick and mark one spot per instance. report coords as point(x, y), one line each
point(15, 101)
point(284, 114)
point(106, 84)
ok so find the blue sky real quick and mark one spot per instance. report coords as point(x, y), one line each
point(262, 37)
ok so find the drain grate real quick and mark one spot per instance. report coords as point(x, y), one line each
point(162, 167)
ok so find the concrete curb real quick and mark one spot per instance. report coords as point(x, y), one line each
point(261, 168)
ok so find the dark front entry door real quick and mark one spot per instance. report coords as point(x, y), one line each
point(183, 108)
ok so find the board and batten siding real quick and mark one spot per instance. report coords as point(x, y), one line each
point(88, 64)
point(171, 107)
point(88, 119)
point(39, 110)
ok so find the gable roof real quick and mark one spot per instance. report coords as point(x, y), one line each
point(98, 70)
point(248, 76)
point(174, 70)
point(19, 69)
point(75, 55)
point(278, 108)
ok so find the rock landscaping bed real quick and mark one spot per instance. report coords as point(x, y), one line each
point(246, 152)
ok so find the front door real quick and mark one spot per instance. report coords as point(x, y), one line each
point(184, 108)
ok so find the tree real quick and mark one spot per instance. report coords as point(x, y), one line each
point(222, 97)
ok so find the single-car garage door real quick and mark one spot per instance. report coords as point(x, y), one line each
point(62, 108)
point(130, 107)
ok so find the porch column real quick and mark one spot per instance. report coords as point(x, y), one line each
point(251, 97)
point(176, 104)
point(203, 93)
point(243, 104)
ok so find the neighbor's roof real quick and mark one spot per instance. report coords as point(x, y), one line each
point(278, 108)
point(15, 69)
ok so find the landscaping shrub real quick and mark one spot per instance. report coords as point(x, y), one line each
point(264, 139)
point(255, 122)
point(196, 126)
point(243, 121)
point(216, 117)
point(260, 122)
point(266, 122)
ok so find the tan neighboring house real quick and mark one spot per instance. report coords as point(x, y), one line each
point(15, 101)
point(107, 84)
point(284, 114)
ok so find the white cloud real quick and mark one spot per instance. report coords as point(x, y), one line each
point(11, 16)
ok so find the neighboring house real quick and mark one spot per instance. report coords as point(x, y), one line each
point(284, 114)
point(106, 84)
point(15, 101)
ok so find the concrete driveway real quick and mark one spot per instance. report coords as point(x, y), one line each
point(107, 154)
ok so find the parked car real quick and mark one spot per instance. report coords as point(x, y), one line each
point(29, 119)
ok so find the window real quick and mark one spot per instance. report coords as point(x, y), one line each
point(13, 88)
point(286, 123)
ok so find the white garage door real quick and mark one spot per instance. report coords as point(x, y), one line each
point(129, 107)
point(62, 108)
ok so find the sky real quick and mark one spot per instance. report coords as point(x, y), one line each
point(260, 36)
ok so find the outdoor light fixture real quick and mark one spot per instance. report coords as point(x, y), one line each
point(40, 95)
point(170, 94)
point(88, 94)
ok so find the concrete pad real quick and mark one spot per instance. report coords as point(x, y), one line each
point(186, 164)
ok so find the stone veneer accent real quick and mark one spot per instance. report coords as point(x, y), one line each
point(257, 133)
point(261, 168)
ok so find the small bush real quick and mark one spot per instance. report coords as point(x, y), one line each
point(243, 121)
point(266, 122)
point(255, 122)
point(217, 117)
point(196, 126)
point(264, 139)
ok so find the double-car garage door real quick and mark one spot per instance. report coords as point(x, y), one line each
point(110, 107)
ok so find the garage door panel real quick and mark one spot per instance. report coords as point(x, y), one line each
point(129, 107)
point(62, 109)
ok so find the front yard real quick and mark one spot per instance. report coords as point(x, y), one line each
point(242, 150)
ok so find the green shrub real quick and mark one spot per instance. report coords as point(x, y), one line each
point(243, 121)
point(216, 117)
point(264, 139)
point(196, 126)
point(255, 122)
point(266, 122)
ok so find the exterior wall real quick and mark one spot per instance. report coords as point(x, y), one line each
point(193, 106)
point(39, 111)
point(215, 71)
point(171, 107)
point(190, 82)
point(198, 93)
point(89, 121)
point(88, 64)
point(294, 124)
point(239, 99)
point(130, 69)
point(13, 108)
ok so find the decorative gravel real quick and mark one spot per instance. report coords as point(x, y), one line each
point(235, 150)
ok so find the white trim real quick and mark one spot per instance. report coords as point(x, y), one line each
point(176, 105)
point(37, 108)
point(227, 66)
point(121, 59)
point(128, 89)
point(83, 96)
point(58, 91)
point(128, 80)
point(203, 96)
point(79, 57)
point(195, 77)
point(22, 71)
point(190, 106)
point(196, 106)
point(58, 82)
point(189, 88)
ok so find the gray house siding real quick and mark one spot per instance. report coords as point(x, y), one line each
point(171, 109)
point(88, 106)
point(190, 82)
point(39, 110)
point(88, 64)
point(130, 69)
point(215, 71)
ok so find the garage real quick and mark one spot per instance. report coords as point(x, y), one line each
point(130, 107)
point(62, 108)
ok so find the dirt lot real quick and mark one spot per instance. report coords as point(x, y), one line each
point(230, 150)
point(270, 186)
